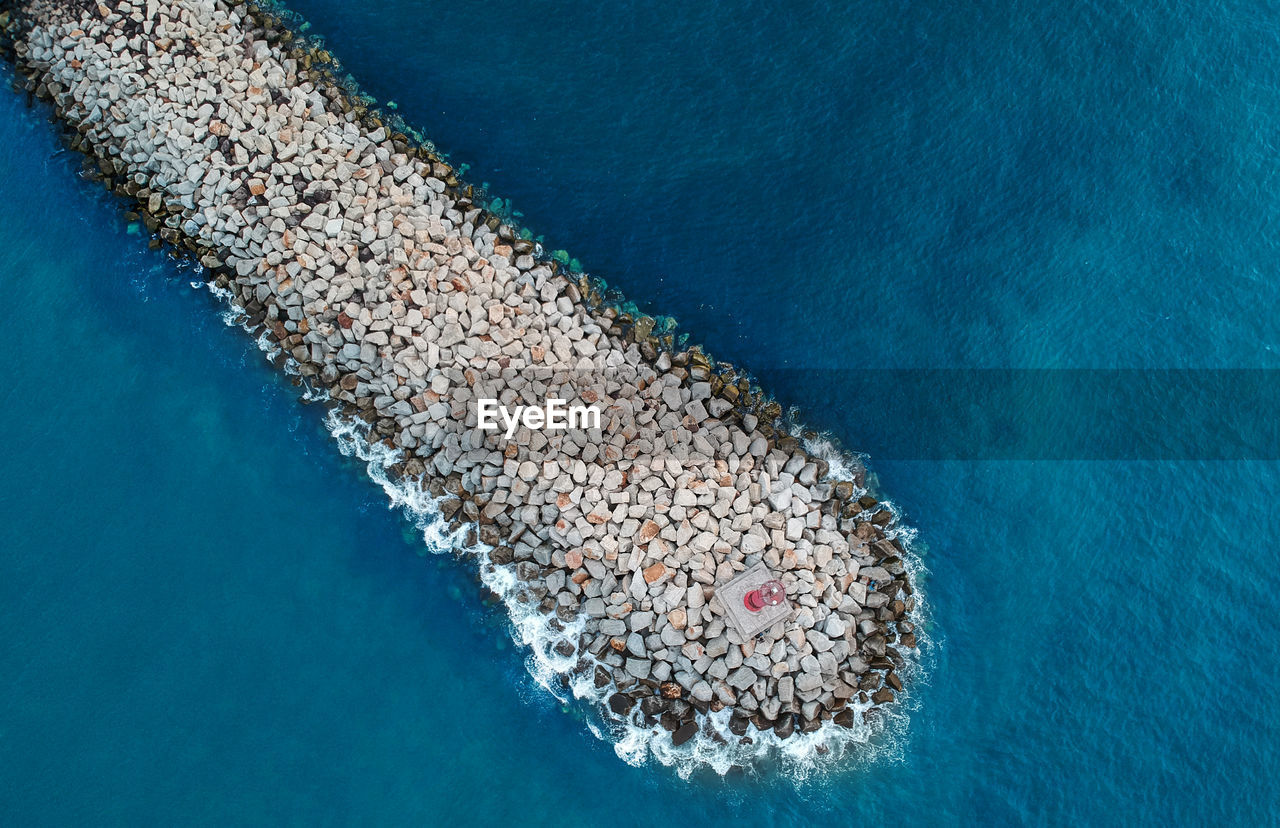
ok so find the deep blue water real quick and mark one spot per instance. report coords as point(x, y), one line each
point(208, 616)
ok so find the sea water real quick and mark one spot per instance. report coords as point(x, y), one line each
point(208, 614)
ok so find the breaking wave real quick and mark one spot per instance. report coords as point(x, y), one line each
point(554, 660)
point(555, 664)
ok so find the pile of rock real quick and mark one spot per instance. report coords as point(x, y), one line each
point(367, 262)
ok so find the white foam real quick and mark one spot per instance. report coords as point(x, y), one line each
point(572, 677)
point(801, 756)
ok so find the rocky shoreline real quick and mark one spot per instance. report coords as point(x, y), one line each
point(360, 254)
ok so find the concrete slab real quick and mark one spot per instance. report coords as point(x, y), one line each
point(750, 624)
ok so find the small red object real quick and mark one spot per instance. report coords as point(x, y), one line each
point(770, 594)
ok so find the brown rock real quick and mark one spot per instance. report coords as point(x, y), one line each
point(670, 690)
point(677, 618)
point(647, 532)
point(654, 573)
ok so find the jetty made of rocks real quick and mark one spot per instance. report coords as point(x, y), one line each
point(362, 256)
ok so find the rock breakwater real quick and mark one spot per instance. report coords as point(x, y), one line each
point(363, 259)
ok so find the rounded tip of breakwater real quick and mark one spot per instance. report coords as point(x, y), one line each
point(871, 734)
point(381, 284)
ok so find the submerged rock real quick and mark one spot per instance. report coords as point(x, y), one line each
point(684, 733)
point(621, 703)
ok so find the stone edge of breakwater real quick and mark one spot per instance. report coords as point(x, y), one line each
point(660, 345)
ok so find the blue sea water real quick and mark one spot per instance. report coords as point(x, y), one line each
point(207, 615)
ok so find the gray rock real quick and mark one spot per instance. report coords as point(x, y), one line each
point(612, 626)
point(640, 620)
point(795, 528)
point(834, 627)
point(818, 641)
point(717, 646)
point(876, 574)
point(742, 678)
point(876, 600)
point(639, 667)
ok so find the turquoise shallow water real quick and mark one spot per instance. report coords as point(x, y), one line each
point(207, 615)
